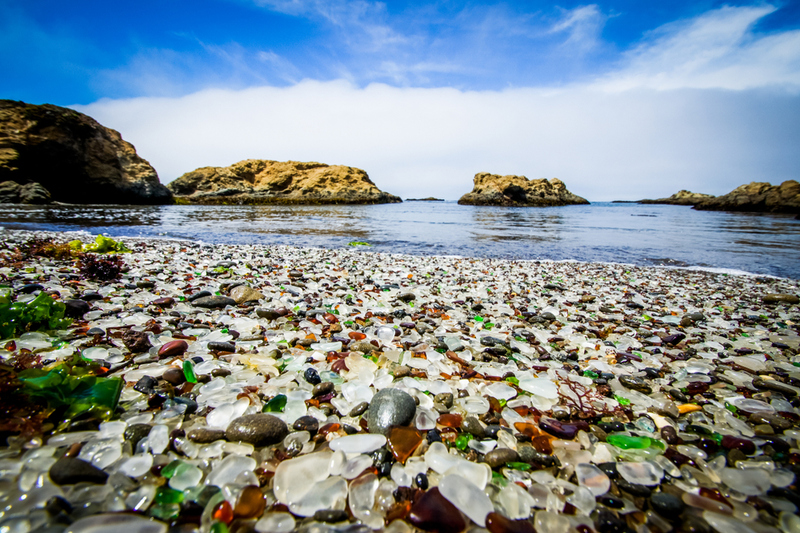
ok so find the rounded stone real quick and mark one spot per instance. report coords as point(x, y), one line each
point(667, 505)
point(205, 435)
point(69, 470)
point(214, 302)
point(473, 426)
point(390, 407)
point(174, 376)
point(136, 432)
point(260, 429)
point(501, 456)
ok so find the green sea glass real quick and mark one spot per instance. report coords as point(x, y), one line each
point(188, 371)
point(629, 442)
point(275, 405)
point(168, 495)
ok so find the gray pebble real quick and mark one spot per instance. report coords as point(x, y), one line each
point(390, 407)
point(260, 429)
point(205, 435)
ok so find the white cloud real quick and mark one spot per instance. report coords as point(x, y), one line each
point(583, 26)
point(420, 142)
point(715, 50)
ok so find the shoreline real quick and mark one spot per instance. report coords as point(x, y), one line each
point(394, 381)
point(724, 271)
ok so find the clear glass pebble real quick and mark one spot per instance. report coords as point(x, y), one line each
point(592, 478)
point(467, 498)
point(137, 466)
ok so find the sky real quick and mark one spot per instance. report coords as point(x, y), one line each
point(620, 99)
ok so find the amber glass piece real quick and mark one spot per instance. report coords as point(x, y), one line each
point(542, 444)
point(527, 428)
point(497, 523)
point(432, 512)
point(403, 441)
point(494, 404)
point(398, 511)
point(329, 428)
point(223, 512)
point(450, 420)
point(356, 335)
point(251, 503)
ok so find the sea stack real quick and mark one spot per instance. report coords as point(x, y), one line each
point(682, 197)
point(758, 197)
point(260, 181)
point(519, 191)
point(50, 153)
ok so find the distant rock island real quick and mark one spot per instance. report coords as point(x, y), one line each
point(428, 199)
point(50, 153)
point(260, 181)
point(518, 191)
point(757, 197)
point(682, 197)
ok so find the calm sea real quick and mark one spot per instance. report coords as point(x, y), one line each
point(652, 235)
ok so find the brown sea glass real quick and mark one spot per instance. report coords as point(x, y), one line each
point(432, 512)
point(403, 441)
point(450, 420)
point(497, 523)
point(251, 503)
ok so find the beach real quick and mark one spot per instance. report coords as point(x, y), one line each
point(279, 388)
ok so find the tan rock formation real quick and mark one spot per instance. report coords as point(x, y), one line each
point(682, 197)
point(518, 191)
point(758, 197)
point(72, 157)
point(259, 181)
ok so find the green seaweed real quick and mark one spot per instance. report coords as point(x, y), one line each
point(102, 245)
point(61, 387)
point(358, 243)
point(43, 312)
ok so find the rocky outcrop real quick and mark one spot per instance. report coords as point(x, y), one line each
point(428, 199)
point(757, 197)
point(50, 150)
point(682, 197)
point(259, 181)
point(518, 191)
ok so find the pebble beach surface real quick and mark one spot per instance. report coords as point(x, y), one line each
point(279, 389)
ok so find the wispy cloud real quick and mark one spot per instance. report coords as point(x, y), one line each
point(718, 49)
point(583, 27)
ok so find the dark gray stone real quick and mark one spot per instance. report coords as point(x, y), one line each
point(69, 471)
point(221, 346)
point(214, 302)
point(390, 407)
point(205, 435)
point(667, 505)
point(260, 429)
point(473, 426)
point(136, 432)
point(500, 456)
point(76, 308)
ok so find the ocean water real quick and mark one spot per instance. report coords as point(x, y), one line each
point(649, 235)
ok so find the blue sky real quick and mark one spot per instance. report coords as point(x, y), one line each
point(619, 99)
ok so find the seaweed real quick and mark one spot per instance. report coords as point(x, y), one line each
point(582, 400)
point(80, 395)
point(102, 245)
point(43, 312)
point(100, 268)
